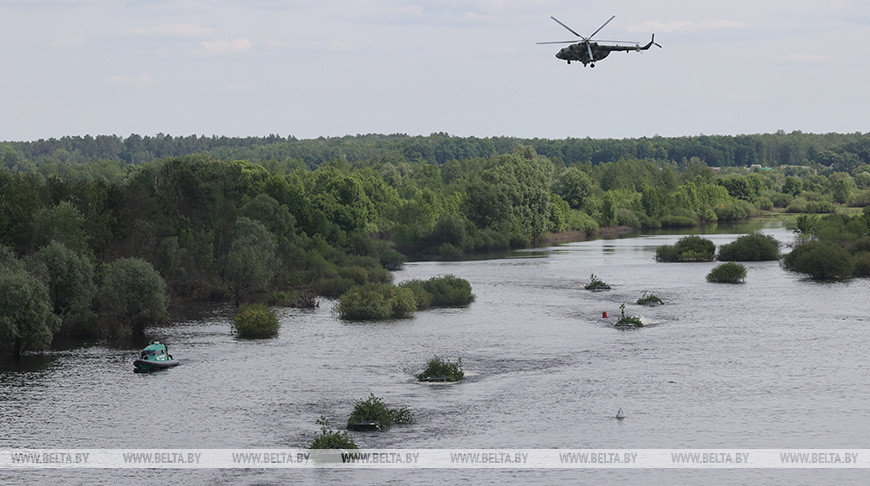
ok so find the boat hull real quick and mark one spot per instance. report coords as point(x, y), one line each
point(147, 366)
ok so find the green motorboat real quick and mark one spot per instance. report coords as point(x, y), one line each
point(154, 357)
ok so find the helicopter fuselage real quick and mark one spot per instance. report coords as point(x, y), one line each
point(580, 52)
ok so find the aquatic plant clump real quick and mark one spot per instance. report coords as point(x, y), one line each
point(731, 272)
point(449, 291)
point(751, 247)
point(373, 409)
point(441, 369)
point(628, 321)
point(820, 260)
point(331, 439)
point(688, 249)
point(402, 415)
point(376, 301)
point(649, 299)
point(255, 321)
point(596, 283)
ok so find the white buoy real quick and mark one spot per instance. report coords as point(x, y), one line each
point(619, 414)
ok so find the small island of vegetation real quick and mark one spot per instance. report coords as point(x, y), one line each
point(833, 247)
point(730, 272)
point(442, 370)
point(649, 299)
point(331, 439)
point(596, 283)
point(750, 248)
point(628, 321)
point(255, 321)
point(688, 249)
point(372, 412)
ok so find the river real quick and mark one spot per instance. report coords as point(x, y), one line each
point(777, 362)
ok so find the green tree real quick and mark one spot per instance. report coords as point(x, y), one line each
point(63, 223)
point(251, 262)
point(69, 278)
point(133, 294)
point(26, 320)
point(574, 185)
point(792, 185)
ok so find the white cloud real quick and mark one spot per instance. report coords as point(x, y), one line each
point(235, 46)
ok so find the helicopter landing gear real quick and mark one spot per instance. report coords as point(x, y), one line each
point(592, 65)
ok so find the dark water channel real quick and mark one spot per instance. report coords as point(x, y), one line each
point(778, 362)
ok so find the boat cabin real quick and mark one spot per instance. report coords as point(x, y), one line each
point(156, 351)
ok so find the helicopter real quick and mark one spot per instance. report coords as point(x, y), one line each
point(588, 52)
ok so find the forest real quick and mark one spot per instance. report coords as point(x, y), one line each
point(101, 236)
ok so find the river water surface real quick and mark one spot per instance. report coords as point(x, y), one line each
point(778, 362)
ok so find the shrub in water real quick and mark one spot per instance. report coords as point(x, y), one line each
point(373, 409)
point(376, 301)
point(331, 439)
point(688, 249)
point(402, 415)
point(421, 296)
point(730, 272)
point(649, 299)
point(255, 321)
point(596, 283)
point(440, 369)
point(751, 247)
point(449, 291)
point(627, 321)
point(820, 260)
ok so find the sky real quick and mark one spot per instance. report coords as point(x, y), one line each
point(468, 68)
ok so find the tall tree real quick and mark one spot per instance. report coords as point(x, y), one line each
point(134, 294)
point(26, 320)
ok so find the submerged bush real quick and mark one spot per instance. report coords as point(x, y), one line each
point(649, 299)
point(373, 409)
point(689, 249)
point(255, 321)
point(628, 321)
point(331, 439)
point(402, 415)
point(730, 272)
point(596, 283)
point(421, 295)
point(376, 301)
point(441, 369)
point(449, 291)
point(820, 260)
point(751, 247)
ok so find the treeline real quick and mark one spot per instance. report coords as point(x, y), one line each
point(841, 152)
point(100, 255)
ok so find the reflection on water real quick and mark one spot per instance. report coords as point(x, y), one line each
point(776, 362)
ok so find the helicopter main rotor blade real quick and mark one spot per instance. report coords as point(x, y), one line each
point(558, 42)
point(569, 28)
point(602, 26)
point(589, 49)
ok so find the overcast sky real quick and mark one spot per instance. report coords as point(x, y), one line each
point(468, 68)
